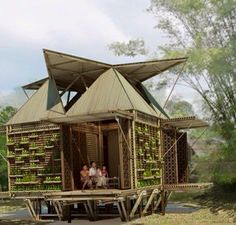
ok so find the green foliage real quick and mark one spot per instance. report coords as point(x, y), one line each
point(132, 48)
point(178, 108)
point(3, 164)
point(205, 32)
point(5, 114)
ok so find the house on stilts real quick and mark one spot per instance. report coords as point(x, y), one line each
point(85, 111)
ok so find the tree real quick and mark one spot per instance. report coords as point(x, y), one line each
point(179, 108)
point(205, 31)
point(132, 48)
point(5, 114)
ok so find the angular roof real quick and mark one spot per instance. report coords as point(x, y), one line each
point(44, 103)
point(65, 69)
point(110, 92)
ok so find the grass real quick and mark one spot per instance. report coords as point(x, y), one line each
point(200, 217)
point(216, 207)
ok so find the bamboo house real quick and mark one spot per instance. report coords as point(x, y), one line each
point(86, 111)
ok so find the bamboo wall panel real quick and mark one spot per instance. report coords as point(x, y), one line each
point(67, 158)
point(182, 153)
point(125, 170)
point(77, 159)
point(113, 153)
point(92, 147)
point(170, 159)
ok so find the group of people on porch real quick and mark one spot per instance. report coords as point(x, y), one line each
point(93, 176)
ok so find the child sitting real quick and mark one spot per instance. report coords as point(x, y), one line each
point(105, 176)
point(101, 177)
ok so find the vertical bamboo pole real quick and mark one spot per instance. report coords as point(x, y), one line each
point(71, 160)
point(162, 202)
point(100, 145)
point(131, 158)
point(62, 157)
point(8, 163)
point(176, 158)
point(121, 159)
point(134, 155)
point(161, 152)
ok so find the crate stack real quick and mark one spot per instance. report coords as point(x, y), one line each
point(148, 155)
point(34, 159)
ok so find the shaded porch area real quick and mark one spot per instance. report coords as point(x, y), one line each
point(102, 142)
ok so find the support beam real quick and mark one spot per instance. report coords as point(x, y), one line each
point(137, 203)
point(90, 209)
point(54, 203)
point(163, 203)
point(157, 203)
point(86, 209)
point(149, 202)
point(25, 93)
point(120, 211)
point(124, 210)
point(70, 85)
point(84, 83)
point(168, 195)
point(31, 209)
point(68, 97)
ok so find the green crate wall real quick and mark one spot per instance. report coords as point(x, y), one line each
point(148, 158)
point(34, 159)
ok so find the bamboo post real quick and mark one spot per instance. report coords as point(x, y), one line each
point(162, 202)
point(137, 203)
point(150, 199)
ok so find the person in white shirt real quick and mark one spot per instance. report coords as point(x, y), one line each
point(93, 172)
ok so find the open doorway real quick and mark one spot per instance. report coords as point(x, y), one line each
point(111, 152)
point(90, 145)
point(85, 149)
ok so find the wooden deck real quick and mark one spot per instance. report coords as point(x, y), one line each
point(128, 203)
point(187, 187)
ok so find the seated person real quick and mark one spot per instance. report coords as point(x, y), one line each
point(84, 177)
point(93, 172)
point(102, 177)
point(99, 178)
point(105, 175)
point(104, 171)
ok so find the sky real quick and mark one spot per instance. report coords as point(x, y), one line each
point(80, 27)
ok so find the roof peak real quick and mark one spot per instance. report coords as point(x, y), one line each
point(44, 103)
point(110, 92)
